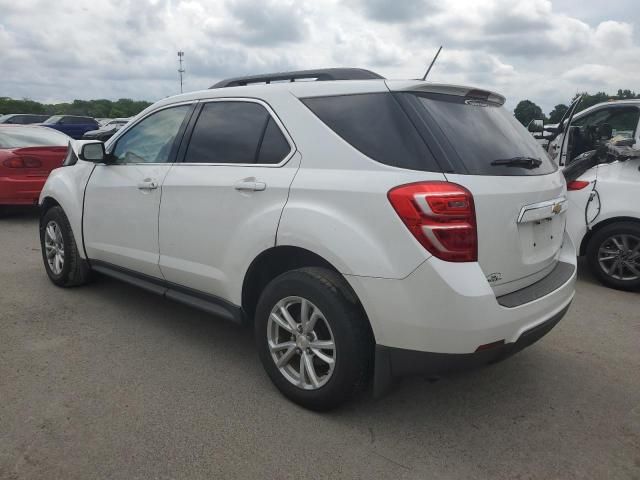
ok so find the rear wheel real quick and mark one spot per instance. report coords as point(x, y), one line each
point(312, 338)
point(62, 262)
point(613, 254)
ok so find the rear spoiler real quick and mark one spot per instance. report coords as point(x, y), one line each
point(458, 90)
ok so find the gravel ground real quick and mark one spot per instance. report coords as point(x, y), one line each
point(107, 381)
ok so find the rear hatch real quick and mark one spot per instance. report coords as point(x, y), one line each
point(518, 192)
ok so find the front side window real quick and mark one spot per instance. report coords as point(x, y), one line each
point(236, 132)
point(623, 121)
point(150, 141)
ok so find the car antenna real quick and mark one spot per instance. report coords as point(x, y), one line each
point(432, 62)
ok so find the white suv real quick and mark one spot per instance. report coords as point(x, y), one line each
point(367, 228)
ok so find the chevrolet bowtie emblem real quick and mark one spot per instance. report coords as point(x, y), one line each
point(557, 208)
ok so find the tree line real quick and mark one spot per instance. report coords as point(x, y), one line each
point(124, 107)
point(526, 110)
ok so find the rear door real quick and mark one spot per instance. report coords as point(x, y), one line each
point(519, 195)
point(221, 204)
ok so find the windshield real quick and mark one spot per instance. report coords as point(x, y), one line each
point(19, 137)
point(486, 137)
point(4, 118)
point(53, 119)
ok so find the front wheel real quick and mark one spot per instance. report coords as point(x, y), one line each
point(62, 262)
point(313, 339)
point(613, 254)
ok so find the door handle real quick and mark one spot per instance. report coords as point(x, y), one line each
point(251, 186)
point(147, 184)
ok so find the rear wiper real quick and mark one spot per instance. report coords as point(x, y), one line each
point(523, 162)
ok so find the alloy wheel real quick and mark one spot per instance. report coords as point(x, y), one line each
point(54, 247)
point(619, 257)
point(301, 343)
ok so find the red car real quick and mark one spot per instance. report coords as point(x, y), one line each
point(27, 155)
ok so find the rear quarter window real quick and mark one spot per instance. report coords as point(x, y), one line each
point(377, 126)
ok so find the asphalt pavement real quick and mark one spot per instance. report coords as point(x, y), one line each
point(107, 381)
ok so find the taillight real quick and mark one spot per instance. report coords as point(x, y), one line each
point(577, 185)
point(22, 162)
point(442, 217)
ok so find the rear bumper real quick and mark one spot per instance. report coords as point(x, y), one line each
point(436, 319)
point(397, 362)
point(445, 307)
point(21, 190)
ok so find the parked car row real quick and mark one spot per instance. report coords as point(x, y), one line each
point(75, 126)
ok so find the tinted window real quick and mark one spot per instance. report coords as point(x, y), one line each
point(77, 120)
point(233, 132)
point(623, 121)
point(375, 124)
point(274, 146)
point(28, 119)
point(481, 133)
point(17, 137)
point(150, 141)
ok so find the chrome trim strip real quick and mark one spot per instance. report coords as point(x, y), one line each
point(542, 210)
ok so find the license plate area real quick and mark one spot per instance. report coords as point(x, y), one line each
point(540, 228)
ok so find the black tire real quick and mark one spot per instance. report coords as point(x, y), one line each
point(600, 239)
point(75, 270)
point(331, 294)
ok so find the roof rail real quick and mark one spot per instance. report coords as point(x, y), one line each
point(323, 74)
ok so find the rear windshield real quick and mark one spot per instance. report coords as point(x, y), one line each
point(19, 137)
point(485, 137)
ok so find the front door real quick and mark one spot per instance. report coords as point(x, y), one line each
point(122, 198)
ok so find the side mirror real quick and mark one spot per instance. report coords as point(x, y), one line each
point(536, 125)
point(92, 152)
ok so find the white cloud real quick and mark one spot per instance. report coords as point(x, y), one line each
point(127, 48)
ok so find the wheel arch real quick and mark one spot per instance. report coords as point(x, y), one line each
point(275, 261)
point(599, 226)
point(47, 203)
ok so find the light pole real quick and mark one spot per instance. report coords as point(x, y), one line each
point(180, 69)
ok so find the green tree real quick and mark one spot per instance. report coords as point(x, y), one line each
point(558, 111)
point(589, 100)
point(100, 108)
point(526, 111)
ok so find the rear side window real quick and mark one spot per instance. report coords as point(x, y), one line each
point(485, 137)
point(274, 146)
point(376, 125)
point(236, 132)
